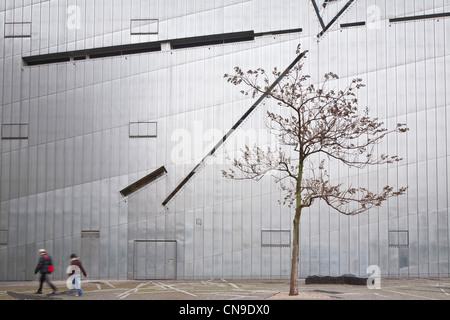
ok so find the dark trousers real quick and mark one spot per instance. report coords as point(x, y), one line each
point(41, 282)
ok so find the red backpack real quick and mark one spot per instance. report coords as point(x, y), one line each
point(50, 267)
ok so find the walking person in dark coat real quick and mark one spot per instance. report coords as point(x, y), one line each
point(45, 261)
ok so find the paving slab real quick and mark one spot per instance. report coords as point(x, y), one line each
point(223, 289)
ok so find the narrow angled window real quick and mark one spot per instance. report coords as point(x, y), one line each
point(141, 183)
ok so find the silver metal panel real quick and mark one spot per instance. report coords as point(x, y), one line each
point(60, 258)
point(199, 243)
point(155, 259)
point(189, 243)
point(443, 235)
point(208, 234)
point(58, 171)
point(58, 217)
point(21, 263)
point(236, 236)
point(95, 206)
point(49, 216)
point(433, 240)
point(78, 153)
point(107, 242)
point(14, 174)
point(89, 255)
point(7, 79)
point(105, 154)
point(30, 261)
point(70, 110)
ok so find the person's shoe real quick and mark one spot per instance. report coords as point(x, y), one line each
point(54, 291)
point(79, 293)
point(38, 292)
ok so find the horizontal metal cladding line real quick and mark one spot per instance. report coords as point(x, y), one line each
point(330, 24)
point(421, 17)
point(235, 126)
point(143, 181)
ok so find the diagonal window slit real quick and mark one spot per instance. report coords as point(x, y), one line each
point(234, 127)
point(141, 183)
point(326, 27)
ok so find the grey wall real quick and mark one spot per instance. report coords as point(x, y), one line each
point(61, 177)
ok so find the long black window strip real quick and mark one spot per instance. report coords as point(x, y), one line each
point(277, 32)
point(139, 48)
point(150, 47)
point(143, 181)
point(235, 126)
point(215, 39)
point(353, 24)
point(421, 17)
point(49, 61)
point(92, 53)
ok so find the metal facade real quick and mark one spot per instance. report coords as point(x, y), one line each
point(76, 133)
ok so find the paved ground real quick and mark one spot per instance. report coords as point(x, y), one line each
point(229, 290)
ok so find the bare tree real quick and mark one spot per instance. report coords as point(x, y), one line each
point(314, 120)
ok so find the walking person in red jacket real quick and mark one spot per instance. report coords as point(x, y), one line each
point(75, 270)
point(44, 267)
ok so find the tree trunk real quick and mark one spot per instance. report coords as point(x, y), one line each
point(293, 290)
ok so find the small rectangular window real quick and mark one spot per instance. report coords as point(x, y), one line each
point(275, 238)
point(15, 131)
point(144, 26)
point(398, 238)
point(143, 129)
point(3, 237)
point(90, 234)
point(17, 29)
